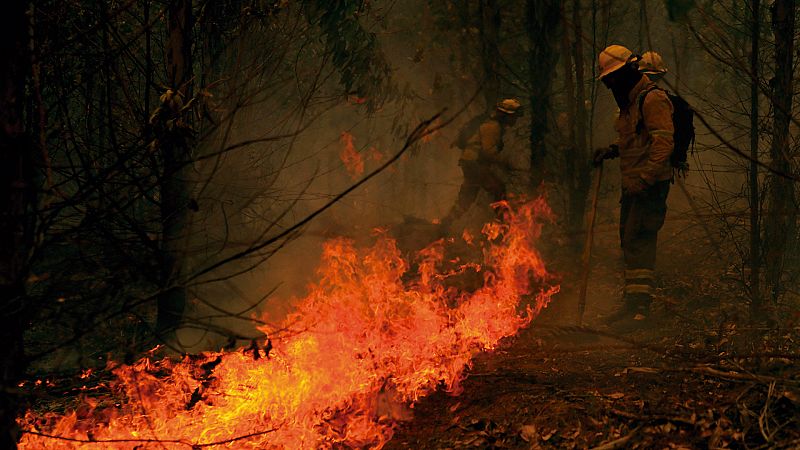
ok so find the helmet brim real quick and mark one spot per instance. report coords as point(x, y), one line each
point(612, 68)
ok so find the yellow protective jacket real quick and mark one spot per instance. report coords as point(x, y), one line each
point(645, 152)
point(486, 145)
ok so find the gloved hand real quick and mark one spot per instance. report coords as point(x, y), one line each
point(603, 153)
point(633, 185)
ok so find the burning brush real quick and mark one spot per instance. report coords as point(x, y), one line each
point(364, 346)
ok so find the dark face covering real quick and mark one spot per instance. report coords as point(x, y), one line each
point(621, 82)
point(506, 119)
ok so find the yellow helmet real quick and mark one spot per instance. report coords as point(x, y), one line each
point(652, 64)
point(613, 58)
point(508, 105)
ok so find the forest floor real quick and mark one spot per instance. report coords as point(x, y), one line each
point(699, 376)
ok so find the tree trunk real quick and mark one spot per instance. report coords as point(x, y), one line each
point(542, 18)
point(567, 128)
point(16, 201)
point(490, 52)
point(779, 228)
point(582, 175)
point(755, 232)
point(578, 159)
point(148, 72)
point(175, 184)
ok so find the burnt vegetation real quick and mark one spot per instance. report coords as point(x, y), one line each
point(168, 169)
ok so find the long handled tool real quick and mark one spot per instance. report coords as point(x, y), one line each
point(587, 245)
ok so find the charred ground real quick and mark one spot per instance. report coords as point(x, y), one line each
point(702, 376)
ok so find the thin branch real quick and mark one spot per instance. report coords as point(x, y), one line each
point(425, 128)
point(151, 441)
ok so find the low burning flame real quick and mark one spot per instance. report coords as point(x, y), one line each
point(351, 158)
point(362, 344)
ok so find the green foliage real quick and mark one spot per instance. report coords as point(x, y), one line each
point(678, 9)
point(355, 51)
point(170, 121)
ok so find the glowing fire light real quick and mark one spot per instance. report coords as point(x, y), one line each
point(361, 344)
point(351, 158)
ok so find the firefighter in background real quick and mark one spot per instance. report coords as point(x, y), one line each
point(653, 66)
point(483, 162)
point(644, 145)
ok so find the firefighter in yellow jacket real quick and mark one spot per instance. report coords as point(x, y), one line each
point(644, 144)
point(483, 161)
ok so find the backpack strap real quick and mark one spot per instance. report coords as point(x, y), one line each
point(640, 99)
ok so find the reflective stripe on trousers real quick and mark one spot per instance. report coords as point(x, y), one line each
point(641, 217)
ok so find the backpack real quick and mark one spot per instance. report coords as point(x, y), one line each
point(683, 123)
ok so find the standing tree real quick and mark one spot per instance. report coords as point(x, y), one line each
point(780, 222)
point(580, 190)
point(490, 22)
point(131, 216)
point(16, 204)
point(542, 24)
point(755, 233)
point(173, 131)
point(576, 168)
point(746, 57)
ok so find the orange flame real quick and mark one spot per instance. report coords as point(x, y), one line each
point(363, 342)
point(351, 158)
point(374, 154)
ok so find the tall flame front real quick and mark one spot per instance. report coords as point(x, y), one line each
point(366, 341)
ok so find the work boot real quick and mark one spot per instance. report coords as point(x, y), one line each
point(638, 319)
point(623, 311)
point(634, 309)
